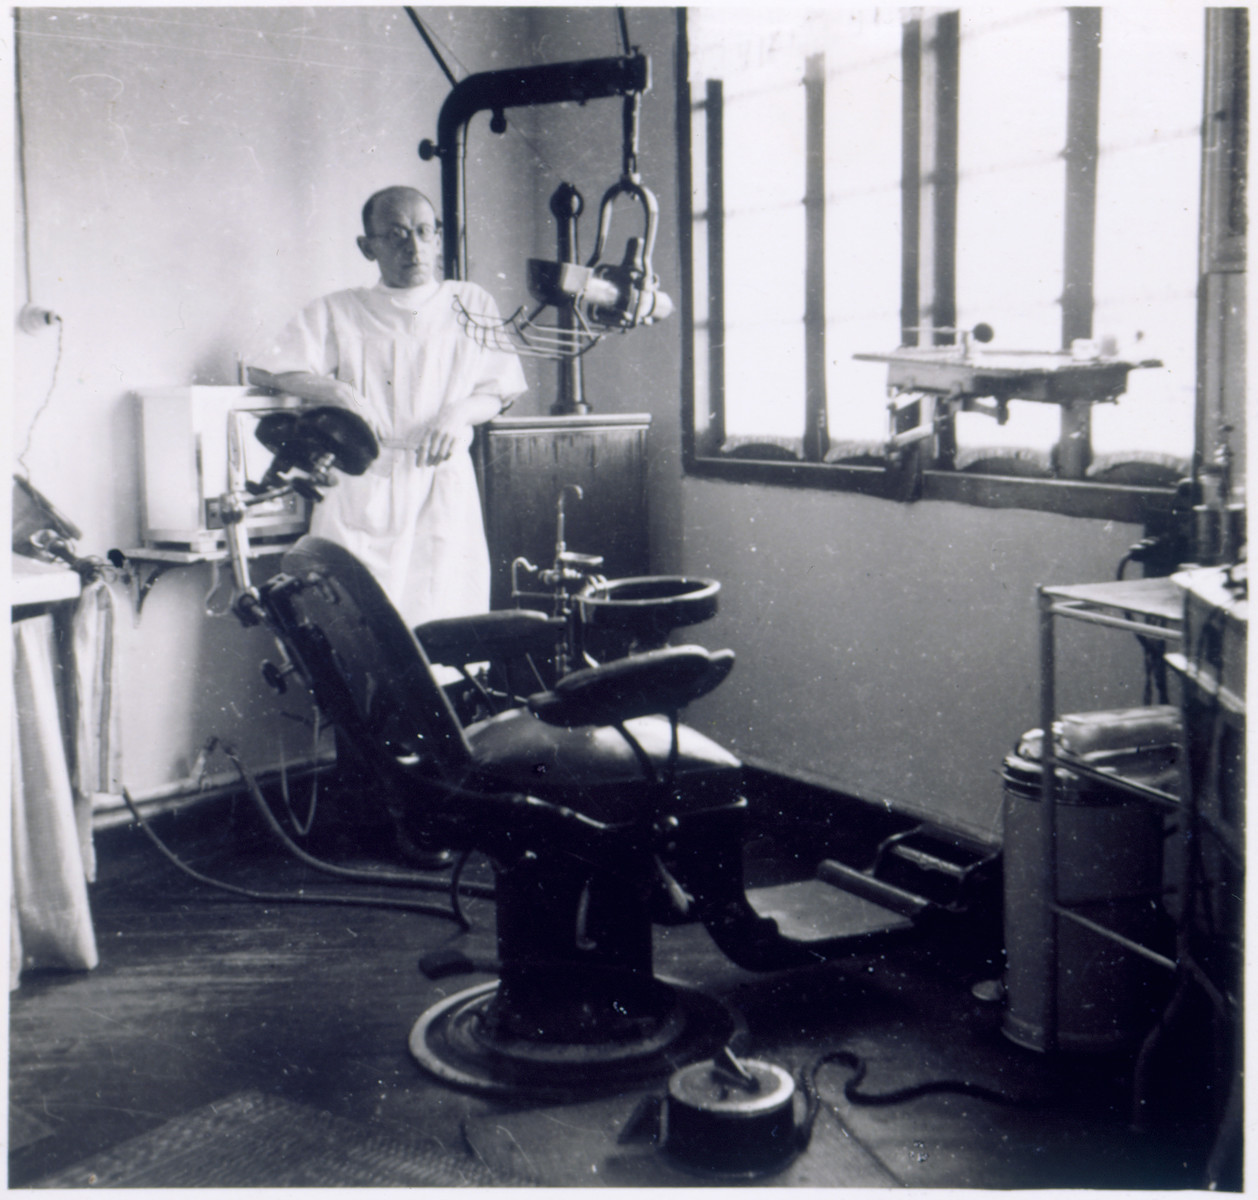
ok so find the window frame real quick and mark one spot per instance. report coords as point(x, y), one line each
point(700, 454)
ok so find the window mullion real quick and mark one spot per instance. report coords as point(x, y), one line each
point(911, 183)
point(714, 109)
point(1083, 108)
point(816, 431)
point(931, 107)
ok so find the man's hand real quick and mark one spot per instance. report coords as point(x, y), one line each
point(440, 438)
point(451, 429)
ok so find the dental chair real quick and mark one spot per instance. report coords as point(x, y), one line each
point(601, 813)
point(599, 810)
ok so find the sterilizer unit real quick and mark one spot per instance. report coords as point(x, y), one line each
point(195, 439)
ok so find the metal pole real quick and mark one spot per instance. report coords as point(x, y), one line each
point(1048, 822)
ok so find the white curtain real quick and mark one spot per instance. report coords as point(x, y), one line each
point(50, 918)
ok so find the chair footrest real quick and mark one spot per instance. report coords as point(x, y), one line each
point(812, 911)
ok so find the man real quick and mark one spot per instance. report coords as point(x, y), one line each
point(396, 354)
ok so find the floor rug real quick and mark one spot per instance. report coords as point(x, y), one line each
point(255, 1140)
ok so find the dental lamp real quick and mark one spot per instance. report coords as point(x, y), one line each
point(590, 299)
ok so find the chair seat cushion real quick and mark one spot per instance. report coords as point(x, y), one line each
point(593, 770)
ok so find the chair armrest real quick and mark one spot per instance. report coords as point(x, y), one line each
point(659, 681)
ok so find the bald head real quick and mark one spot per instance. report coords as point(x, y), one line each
point(400, 230)
point(390, 197)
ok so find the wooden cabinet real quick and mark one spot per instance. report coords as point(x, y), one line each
point(527, 461)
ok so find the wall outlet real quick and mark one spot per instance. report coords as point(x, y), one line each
point(31, 318)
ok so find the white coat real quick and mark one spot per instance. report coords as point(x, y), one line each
point(418, 529)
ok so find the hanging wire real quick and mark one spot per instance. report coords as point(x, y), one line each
point(303, 827)
point(372, 875)
point(39, 412)
point(419, 25)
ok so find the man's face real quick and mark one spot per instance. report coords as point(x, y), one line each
point(396, 240)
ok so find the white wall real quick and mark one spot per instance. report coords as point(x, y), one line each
point(889, 650)
point(193, 176)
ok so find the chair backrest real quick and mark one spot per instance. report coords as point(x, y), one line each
point(369, 675)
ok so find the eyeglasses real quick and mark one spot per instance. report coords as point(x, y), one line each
point(399, 237)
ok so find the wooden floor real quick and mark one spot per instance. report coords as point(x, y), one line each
point(202, 995)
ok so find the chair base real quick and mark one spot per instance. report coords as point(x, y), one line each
point(451, 1041)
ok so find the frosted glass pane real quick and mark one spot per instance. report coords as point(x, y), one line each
point(764, 373)
point(1012, 103)
point(764, 267)
point(764, 150)
point(857, 391)
point(1011, 204)
point(1011, 178)
point(864, 104)
point(1148, 203)
point(1030, 427)
point(1009, 253)
point(863, 259)
point(764, 262)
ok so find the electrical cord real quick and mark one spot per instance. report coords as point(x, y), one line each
point(624, 30)
point(280, 897)
point(39, 412)
point(900, 1095)
point(384, 877)
point(303, 828)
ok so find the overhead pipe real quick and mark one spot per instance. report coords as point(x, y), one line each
point(515, 87)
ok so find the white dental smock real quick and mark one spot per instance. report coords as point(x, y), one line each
point(418, 529)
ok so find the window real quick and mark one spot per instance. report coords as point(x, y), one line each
point(862, 180)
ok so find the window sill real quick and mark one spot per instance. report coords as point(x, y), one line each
point(1098, 501)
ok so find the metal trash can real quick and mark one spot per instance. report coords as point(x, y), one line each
point(1109, 869)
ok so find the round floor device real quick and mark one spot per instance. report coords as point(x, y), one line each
point(450, 1041)
point(731, 1127)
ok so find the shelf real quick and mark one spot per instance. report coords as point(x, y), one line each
point(1137, 600)
point(188, 558)
point(35, 582)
